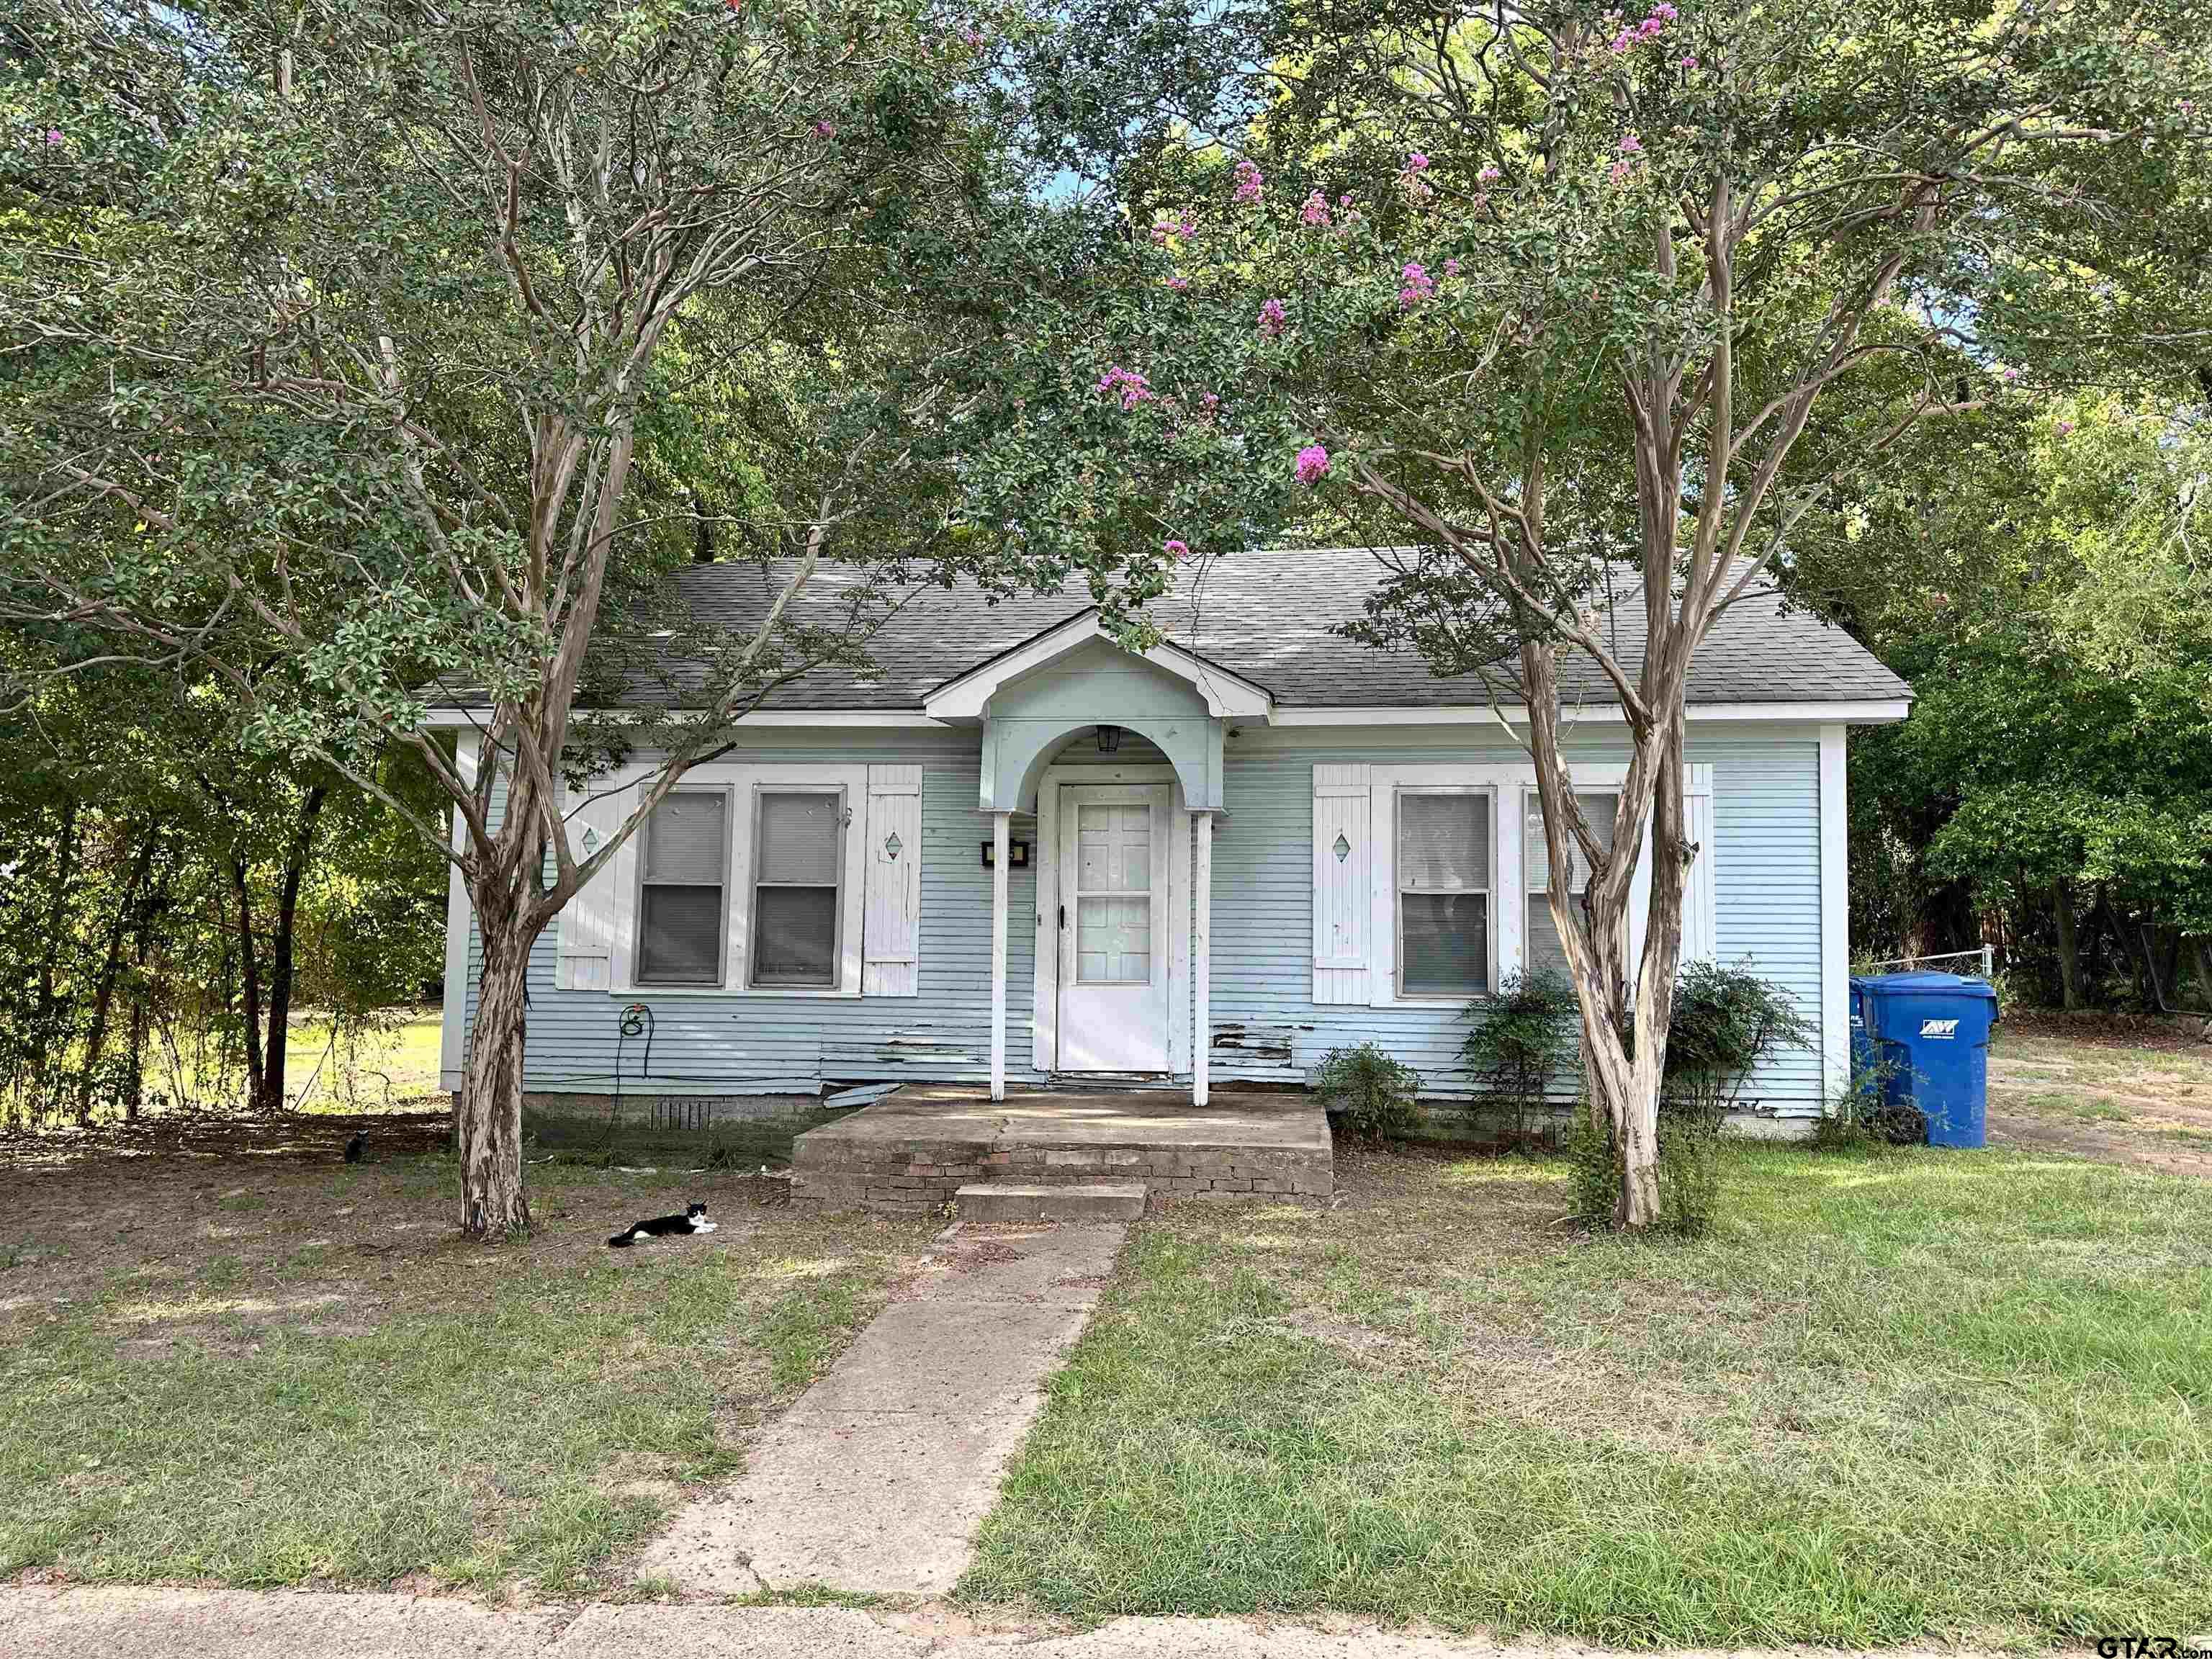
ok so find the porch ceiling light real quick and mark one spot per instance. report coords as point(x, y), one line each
point(1109, 739)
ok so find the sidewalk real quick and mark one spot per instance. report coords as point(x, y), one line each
point(182, 1623)
point(877, 1478)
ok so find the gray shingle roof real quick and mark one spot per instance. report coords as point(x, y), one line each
point(1270, 616)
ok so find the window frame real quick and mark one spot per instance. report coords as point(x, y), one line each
point(844, 809)
point(1398, 892)
point(639, 885)
point(740, 779)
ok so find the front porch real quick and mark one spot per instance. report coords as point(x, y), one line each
point(910, 1152)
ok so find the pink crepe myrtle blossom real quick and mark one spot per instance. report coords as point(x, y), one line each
point(53, 135)
point(1416, 162)
point(1451, 267)
point(1630, 144)
point(1212, 400)
point(1178, 283)
point(1636, 34)
point(1345, 200)
point(1312, 464)
point(2063, 428)
point(1689, 60)
point(1176, 550)
point(1250, 181)
point(825, 129)
point(1488, 175)
point(1316, 210)
point(1414, 285)
point(1131, 387)
point(1273, 319)
point(2009, 376)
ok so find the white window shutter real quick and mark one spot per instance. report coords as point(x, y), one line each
point(1342, 904)
point(1701, 911)
point(588, 926)
point(891, 928)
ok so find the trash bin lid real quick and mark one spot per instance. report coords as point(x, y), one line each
point(1919, 984)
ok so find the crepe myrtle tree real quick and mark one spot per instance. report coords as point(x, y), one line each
point(1549, 303)
point(341, 334)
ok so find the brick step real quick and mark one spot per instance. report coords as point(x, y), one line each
point(1104, 1201)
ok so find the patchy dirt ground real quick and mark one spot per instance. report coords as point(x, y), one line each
point(2117, 1094)
point(245, 1208)
point(308, 1378)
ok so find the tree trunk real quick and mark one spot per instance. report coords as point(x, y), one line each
point(2070, 958)
point(249, 979)
point(280, 953)
point(1622, 1071)
point(488, 1115)
point(47, 1018)
point(111, 963)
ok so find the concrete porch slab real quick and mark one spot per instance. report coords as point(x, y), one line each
point(913, 1150)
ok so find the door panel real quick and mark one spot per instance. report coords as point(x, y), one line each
point(1113, 871)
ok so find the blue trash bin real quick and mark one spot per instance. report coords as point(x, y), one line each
point(1929, 1035)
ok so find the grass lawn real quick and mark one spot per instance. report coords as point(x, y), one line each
point(385, 1068)
point(1892, 1396)
point(277, 1368)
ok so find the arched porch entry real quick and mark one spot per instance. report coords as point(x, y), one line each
point(1125, 850)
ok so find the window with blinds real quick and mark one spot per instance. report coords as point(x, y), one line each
point(1542, 934)
point(798, 853)
point(1443, 864)
point(681, 889)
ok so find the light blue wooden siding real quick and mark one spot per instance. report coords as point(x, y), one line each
point(1766, 813)
point(1767, 817)
point(716, 1045)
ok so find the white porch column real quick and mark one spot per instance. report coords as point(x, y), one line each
point(1835, 919)
point(1202, 966)
point(1000, 822)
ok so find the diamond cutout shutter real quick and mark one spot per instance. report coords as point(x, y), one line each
point(1341, 899)
point(890, 927)
point(592, 920)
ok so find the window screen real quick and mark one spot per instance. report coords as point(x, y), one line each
point(679, 936)
point(1443, 893)
point(1544, 950)
point(798, 859)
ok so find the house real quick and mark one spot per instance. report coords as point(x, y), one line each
point(1021, 855)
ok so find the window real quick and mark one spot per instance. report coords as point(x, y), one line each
point(1444, 892)
point(681, 910)
point(798, 860)
point(1544, 949)
point(1112, 895)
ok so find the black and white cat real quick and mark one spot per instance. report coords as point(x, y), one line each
point(693, 1220)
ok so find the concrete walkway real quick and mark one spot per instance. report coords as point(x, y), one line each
point(182, 1623)
point(877, 1479)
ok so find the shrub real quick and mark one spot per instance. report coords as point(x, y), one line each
point(1689, 1172)
point(1521, 1038)
point(1726, 1020)
point(1371, 1095)
point(1862, 1114)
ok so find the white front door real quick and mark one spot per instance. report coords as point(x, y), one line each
point(1113, 943)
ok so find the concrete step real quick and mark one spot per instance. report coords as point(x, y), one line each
point(1105, 1200)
